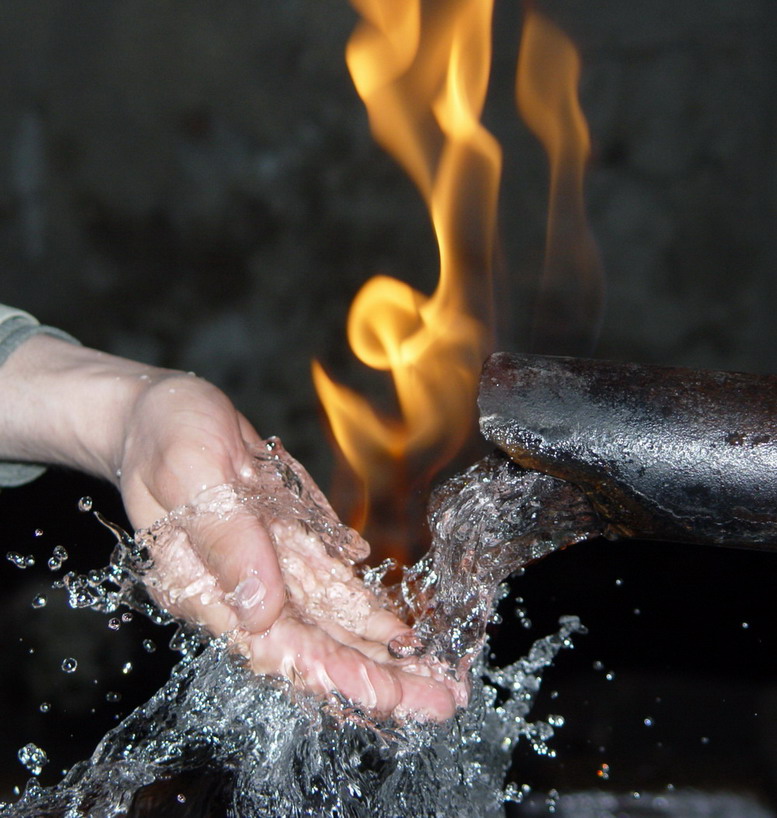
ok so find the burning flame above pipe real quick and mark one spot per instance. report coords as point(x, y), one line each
point(422, 69)
point(569, 307)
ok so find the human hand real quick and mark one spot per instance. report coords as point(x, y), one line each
point(170, 440)
point(233, 557)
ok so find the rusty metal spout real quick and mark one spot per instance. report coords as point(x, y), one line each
point(661, 453)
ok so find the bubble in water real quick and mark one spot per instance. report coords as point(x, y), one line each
point(112, 696)
point(45, 707)
point(114, 623)
point(149, 645)
point(180, 798)
point(20, 560)
point(33, 758)
point(39, 601)
point(604, 772)
point(69, 664)
point(126, 668)
point(126, 616)
point(85, 504)
point(648, 721)
point(38, 532)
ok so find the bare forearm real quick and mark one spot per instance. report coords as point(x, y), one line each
point(67, 405)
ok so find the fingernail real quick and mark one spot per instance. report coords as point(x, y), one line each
point(249, 593)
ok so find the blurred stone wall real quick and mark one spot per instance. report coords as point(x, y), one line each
point(193, 184)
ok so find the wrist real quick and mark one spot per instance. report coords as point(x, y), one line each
point(68, 405)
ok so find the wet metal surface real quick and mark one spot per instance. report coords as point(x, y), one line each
point(662, 453)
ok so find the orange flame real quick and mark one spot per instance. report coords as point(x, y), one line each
point(570, 300)
point(423, 79)
point(422, 68)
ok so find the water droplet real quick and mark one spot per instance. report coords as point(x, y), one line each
point(39, 601)
point(85, 504)
point(19, 560)
point(114, 623)
point(149, 645)
point(515, 794)
point(112, 696)
point(33, 758)
point(45, 707)
point(126, 668)
point(69, 665)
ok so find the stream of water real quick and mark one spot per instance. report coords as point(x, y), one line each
point(218, 740)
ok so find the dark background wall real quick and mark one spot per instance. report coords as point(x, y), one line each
point(194, 185)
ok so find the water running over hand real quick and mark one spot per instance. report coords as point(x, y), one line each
point(219, 740)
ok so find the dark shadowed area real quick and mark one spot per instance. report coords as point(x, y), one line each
point(194, 185)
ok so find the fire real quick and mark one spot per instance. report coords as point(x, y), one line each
point(423, 79)
point(422, 69)
point(569, 307)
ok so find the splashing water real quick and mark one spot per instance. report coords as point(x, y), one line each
point(220, 740)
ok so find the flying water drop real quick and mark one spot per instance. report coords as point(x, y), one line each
point(33, 758)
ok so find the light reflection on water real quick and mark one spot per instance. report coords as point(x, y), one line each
point(216, 733)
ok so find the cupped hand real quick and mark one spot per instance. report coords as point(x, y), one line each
point(289, 606)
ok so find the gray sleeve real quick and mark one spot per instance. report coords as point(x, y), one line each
point(16, 326)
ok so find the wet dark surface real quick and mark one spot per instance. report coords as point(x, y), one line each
point(662, 452)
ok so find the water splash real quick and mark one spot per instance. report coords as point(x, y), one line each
point(487, 523)
point(247, 745)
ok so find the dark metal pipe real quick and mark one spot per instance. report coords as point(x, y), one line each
point(661, 453)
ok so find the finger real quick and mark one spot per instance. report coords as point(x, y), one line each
point(238, 551)
point(304, 653)
point(247, 431)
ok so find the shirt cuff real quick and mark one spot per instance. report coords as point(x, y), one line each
point(16, 327)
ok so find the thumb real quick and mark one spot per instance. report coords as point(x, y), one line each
point(240, 553)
